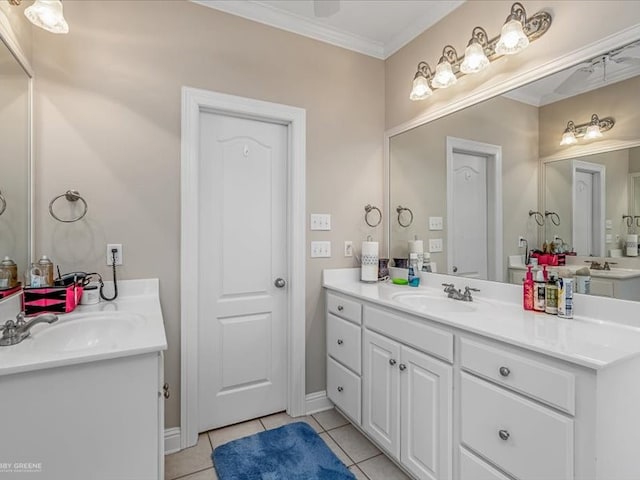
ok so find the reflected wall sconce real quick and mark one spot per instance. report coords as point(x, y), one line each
point(589, 131)
point(46, 14)
point(517, 32)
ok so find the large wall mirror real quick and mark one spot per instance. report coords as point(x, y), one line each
point(472, 178)
point(15, 152)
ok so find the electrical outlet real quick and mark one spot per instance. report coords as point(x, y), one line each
point(320, 249)
point(118, 247)
point(522, 242)
point(348, 248)
point(320, 221)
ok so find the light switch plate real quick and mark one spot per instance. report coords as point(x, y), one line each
point(435, 223)
point(320, 221)
point(320, 249)
point(435, 245)
point(608, 224)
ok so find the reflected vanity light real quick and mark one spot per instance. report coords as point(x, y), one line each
point(517, 32)
point(589, 131)
point(46, 14)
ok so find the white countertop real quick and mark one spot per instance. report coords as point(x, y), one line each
point(584, 341)
point(138, 299)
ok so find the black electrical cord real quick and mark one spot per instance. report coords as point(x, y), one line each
point(115, 283)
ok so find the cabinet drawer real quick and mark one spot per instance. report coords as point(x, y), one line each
point(343, 389)
point(536, 379)
point(411, 331)
point(523, 438)
point(472, 468)
point(343, 342)
point(345, 308)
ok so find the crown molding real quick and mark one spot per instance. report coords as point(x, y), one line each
point(296, 24)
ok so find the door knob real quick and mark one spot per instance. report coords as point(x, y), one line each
point(503, 434)
point(402, 367)
point(279, 282)
point(504, 371)
point(392, 362)
point(455, 269)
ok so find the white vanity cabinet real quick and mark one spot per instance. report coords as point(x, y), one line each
point(407, 393)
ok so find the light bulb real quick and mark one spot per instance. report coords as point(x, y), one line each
point(47, 14)
point(420, 89)
point(474, 59)
point(593, 132)
point(512, 38)
point(444, 76)
point(568, 138)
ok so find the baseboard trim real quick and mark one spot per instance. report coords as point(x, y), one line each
point(171, 440)
point(317, 402)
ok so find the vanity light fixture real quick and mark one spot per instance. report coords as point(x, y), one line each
point(46, 14)
point(589, 131)
point(517, 32)
point(444, 76)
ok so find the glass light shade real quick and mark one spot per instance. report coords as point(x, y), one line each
point(420, 89)
point(593, 131)
point(444, 76)
point(568, 138)
point(474, 59)
point(47, 14)
point(512, 38)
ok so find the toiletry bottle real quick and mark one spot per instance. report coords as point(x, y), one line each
point(11, 272)
point(545, 274)
point(565, 297)
point(414, 275)
point(35, 276)
point(551, 296)
point(527, 300)
point(539, 292)
point(46, 271)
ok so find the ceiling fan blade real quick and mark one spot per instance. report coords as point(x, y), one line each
point(576, 78)
point(325, 8)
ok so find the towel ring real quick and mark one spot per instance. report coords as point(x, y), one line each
point(637, 217)
point(3, 204)
point(555, 218)
point(401, 209)
point(368, 210)
point(71, 196)
point(629, 219)
point(537, 216)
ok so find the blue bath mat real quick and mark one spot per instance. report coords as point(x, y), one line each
point(292, 452)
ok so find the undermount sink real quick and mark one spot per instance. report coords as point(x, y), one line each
point(435, 304)
point(87, 332)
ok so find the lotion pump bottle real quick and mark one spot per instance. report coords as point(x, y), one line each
point(539, 292)
point(528, 293)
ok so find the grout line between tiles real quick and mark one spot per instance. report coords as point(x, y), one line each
point(196, 471)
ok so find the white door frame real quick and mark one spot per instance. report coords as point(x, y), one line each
point(599, 193)
point(494, 200)
point(195, 101)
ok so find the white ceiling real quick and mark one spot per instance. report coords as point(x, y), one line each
point(377, 28)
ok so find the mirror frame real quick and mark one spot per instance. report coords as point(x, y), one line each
point(485, 93)
point(8, 38)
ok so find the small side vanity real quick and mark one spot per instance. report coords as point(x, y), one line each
point(484, 390)
point(83, 397)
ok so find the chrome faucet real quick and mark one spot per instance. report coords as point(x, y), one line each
point(15, 332)
point(456, 294)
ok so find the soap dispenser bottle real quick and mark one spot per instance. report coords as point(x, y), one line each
point(539, 292)
point(414, 273)
point(528, 294)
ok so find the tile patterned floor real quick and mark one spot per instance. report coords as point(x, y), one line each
point(359, 454)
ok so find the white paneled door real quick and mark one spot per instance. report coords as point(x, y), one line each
point(242, 324)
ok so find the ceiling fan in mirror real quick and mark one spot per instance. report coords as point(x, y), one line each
point(618, 64)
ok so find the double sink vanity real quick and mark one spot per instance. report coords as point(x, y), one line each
point(483, 389)
point(83, 396)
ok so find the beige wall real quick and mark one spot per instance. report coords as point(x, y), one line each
point(619, 100)
point(575, 24)
point(108, 124)
point(418, 171)
point(634, 160)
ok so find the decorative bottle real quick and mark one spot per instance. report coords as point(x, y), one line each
point(528, 294)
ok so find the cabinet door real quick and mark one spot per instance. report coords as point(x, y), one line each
point(381, 397)
point(426, 410)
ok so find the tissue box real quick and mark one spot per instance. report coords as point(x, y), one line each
point(51, 299)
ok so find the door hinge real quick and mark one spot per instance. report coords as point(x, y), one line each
point(165, 391)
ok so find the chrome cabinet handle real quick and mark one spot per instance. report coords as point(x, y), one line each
point(504, 371)
point(340, 342)
point(279, 282)
point(340, 389)
point(340, 308)
point(392, 362)
point(503, 434)
point(402, 367)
